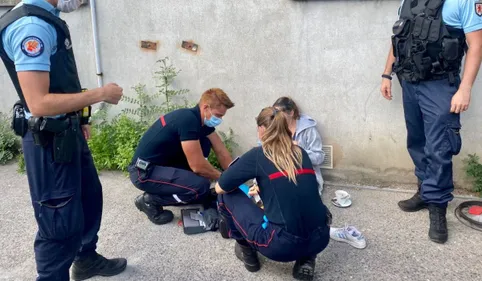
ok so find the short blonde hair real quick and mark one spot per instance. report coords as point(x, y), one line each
point(216, 97)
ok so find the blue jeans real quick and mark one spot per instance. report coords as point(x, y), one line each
point(433, 136)
point(245, 219)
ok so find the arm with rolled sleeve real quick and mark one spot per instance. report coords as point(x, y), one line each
point(242, 170)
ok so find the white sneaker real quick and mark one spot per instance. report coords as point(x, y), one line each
point(350, 235)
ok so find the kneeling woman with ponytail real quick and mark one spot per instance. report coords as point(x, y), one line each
point(294, 225)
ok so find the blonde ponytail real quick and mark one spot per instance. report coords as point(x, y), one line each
point(277, 144)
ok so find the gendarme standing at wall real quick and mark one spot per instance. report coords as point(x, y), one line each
point(429, 42)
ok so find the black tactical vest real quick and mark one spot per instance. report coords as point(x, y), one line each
point(63, 70)
point(424, 47)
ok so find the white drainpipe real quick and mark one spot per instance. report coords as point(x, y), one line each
point(95, 34)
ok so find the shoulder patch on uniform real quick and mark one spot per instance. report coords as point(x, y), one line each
point(32, 46)
point(478, 8)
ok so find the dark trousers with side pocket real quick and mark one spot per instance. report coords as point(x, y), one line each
point(245, 221)
point(172, 186)
point(67, 202)
point(433, 136)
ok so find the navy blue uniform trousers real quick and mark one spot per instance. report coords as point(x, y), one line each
point(245, 221)
point(433, 136)
point(67, 202)
point(171, 186)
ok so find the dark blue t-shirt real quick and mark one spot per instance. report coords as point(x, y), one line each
point(161, 143)
point(295, 207)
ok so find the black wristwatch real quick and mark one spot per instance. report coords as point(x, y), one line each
point(387, 76)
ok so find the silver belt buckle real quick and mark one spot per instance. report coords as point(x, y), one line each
point(142, 164)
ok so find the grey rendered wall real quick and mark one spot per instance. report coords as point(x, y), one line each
point(327, 55)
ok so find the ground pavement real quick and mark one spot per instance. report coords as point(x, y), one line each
point(398, 245)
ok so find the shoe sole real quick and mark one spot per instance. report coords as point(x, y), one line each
point(412, 210)
point(303, 276)
point(304, 273)
point(349, 242)
point(81, 278)
point(438, 241)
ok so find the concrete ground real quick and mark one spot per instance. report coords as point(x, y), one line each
point(398, 245)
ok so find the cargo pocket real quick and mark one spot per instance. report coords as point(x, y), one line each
point(455, 140)
point(60, 218)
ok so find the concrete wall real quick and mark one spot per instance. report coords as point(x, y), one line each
point(327, 55)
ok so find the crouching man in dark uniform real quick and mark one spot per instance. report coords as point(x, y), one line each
point(170, 164)
point(66, 193)
point(429, 42)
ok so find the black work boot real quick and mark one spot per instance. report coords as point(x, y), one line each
point(304, 269)
point(247, 255)
point(438, 223)
point(413, 204)
point(155, 213)
point(96, 264)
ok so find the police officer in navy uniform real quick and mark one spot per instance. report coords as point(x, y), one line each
point(170, 163)
point(428, 45)
point(294, 223)
point(65, 190)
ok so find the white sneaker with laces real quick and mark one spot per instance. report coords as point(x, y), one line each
point(350, 235)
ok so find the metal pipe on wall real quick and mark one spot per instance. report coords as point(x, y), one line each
point(95, 34)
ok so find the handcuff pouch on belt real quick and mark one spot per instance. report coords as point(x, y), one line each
point(62, 133)
point(19, 123)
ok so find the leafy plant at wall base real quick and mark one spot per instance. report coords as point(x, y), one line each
point(9, 142)
point(21, 163)
point(128, 134)
point(151, 106)
point(473, 169)
point(229, 142)
point(113, 144)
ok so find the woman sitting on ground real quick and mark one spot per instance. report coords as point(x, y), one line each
point(304, 133)
point(294, 224)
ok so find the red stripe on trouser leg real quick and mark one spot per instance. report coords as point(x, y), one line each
point(163, 121)
point(167, 183)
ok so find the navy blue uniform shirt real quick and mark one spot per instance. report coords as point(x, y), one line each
point(296, 208)
point(161, 144)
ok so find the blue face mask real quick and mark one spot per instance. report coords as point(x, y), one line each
point(213, 121)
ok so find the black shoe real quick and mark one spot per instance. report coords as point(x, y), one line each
point(438, 224)
point(413, 204)
point(97, 265)
point(304, 269)
point(247, 255)
point(223, 227)
point(155, 213)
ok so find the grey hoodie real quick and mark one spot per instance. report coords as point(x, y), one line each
point(309, 139)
